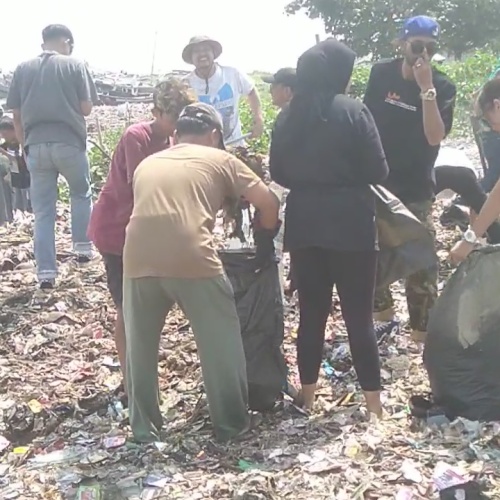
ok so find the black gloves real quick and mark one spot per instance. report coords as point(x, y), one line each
point(264, 248)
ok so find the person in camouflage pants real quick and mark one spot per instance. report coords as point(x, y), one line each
point(412, 103)
point(421, 288)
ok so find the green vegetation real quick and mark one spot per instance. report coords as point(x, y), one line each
point(100, 157)
point(369, 26)
point(468, 75)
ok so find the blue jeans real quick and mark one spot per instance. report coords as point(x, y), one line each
point(45, 163)
point(491, 150)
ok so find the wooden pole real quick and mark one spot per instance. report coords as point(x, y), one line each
point(154, 56)
point(317, 39)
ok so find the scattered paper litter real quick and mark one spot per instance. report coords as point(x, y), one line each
point(64, 420)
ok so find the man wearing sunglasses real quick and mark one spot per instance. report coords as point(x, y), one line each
point(50, 96)
point(412, 103)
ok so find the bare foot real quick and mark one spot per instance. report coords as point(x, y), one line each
point(305, 397)
point(373, 403)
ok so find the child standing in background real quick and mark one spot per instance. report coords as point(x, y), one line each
point(17, 195)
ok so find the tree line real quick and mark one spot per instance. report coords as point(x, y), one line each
point(369, 26)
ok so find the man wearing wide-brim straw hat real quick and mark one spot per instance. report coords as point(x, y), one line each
point(222, 87)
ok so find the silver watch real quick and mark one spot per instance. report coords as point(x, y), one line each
point(470, 237)
point(428, 95)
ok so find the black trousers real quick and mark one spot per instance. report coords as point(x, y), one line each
point(463, 181)
point(316, 271)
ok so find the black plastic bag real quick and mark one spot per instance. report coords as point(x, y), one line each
point(462, 348)
point(406, 245)
point(259, 303)
point(467, 491)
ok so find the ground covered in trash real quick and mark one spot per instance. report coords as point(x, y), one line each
point(64, 430)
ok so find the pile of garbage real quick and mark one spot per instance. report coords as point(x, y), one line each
point(64, 430)
point(5, 79)
point(115, 89)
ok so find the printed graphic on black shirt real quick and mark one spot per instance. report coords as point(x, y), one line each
point(395, 100)
point(396, 106)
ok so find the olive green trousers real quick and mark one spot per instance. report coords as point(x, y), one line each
point(208, 304)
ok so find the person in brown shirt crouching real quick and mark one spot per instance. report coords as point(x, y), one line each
point(170, 257)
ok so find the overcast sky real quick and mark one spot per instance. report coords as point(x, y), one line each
point(115, 35)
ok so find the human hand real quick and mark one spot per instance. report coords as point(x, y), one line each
point(422, 71)
point(460, 251)
point(258, 128)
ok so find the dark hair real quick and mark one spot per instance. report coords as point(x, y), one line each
point(172, 95)
point(6, 123)
point(187, 125)
point(56, 31)
point(490, 92)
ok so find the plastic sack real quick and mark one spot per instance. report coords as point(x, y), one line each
point(462, 348)
point(260, 309)
point(406, 246)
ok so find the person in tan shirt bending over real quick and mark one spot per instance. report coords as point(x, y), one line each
point(170, 257)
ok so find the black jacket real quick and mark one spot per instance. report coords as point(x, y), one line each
point(326, 149)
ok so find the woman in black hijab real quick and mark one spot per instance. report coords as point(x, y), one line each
point(326, 149)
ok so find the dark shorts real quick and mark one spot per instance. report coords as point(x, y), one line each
point(114, 274)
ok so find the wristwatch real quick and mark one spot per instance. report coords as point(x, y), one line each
point(470, 237)
point(428, 95)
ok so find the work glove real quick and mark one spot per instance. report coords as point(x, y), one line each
point(264, 248)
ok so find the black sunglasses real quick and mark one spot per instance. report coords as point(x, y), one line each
point(419, 46)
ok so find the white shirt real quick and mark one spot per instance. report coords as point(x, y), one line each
point(453, 157)
point(223, 91)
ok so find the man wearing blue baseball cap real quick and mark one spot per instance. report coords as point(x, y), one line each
point(412, 103)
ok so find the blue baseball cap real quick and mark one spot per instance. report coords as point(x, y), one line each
point(420, 26)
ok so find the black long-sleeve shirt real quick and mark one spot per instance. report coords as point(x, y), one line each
point(330, 204)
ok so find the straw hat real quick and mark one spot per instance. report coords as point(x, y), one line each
point(187, 53)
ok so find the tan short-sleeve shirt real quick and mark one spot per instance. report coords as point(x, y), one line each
point(177, 194)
